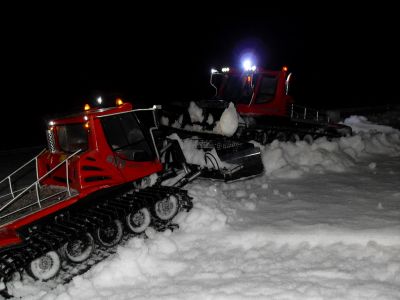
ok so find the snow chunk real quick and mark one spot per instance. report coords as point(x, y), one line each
point(195, 112)
point(178, 122)
point(241, 193)
point(210, 119)
point(164, 121)
point(228, 122)
point(202, 218)
point(248, 205)
point(361, 124)
point(194, 155)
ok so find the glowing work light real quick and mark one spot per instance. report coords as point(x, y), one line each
point(248, 65)
point(119, 102)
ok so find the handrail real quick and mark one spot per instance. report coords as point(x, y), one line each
point(24, 165)
point(301, 112)
point(37, 181)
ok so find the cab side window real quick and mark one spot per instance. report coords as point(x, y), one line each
point(267, 89)
point(126, 138)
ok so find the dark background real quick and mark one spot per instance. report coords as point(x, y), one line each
point(55, 62)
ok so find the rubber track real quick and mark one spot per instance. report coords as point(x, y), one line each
point(38, 239)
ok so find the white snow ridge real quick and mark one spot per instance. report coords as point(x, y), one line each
point(322, 223)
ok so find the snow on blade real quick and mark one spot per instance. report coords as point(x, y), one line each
point(195, 112)
point(196, 156)
point(229, 121)
point(164, 121)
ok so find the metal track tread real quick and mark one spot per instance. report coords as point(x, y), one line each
point(38, 239)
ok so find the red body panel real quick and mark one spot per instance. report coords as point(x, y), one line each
point(92, 170)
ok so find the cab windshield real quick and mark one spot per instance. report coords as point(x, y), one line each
point(235, 87)
point(239, 88)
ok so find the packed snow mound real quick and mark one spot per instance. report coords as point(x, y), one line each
point(291, 247)
point(195, 112)
point(291, 160)
point(207, 214)
point(361, 124)
point(229, 121)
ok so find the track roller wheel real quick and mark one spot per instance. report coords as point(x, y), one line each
point(281, 136)
point(80, 249)
point(138, 221)
point(262, 137)
point(110, 234)
point(308, 139)
point(294, 137)
point(45, 267)
point(167, 208)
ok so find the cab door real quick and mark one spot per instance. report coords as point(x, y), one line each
point(132, 148)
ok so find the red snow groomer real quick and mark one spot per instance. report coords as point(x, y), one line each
point(105, 170)
point(99, 175)
point(267, 110)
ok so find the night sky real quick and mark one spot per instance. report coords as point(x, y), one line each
point(55, 64)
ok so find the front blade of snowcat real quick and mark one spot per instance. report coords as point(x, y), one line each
point(231, 159)
point(241, 160)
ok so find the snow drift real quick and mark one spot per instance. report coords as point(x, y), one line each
point(335, 236)
point(361, 124)
point(291, 160)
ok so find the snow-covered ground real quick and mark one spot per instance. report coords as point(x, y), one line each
point(322, 223)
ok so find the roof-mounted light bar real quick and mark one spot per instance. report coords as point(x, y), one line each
point(248, 65)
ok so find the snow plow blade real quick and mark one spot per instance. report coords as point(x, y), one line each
point(245, 160)
point(218, 157)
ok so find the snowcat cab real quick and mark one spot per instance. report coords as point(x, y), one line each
point(254, 91)
point(110, 148)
